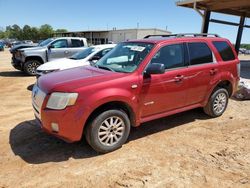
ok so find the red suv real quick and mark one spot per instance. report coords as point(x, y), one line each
point(137, 81)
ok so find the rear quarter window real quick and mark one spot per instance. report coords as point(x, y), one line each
point(224, 50)
point(199, 53)
point(76, 43)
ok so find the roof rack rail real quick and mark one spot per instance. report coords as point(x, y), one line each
point(184, 35)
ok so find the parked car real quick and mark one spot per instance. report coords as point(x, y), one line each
point(84, 57)
point(16, 43)
point(48, 50)
point(1, 46)
point(138, 81)
point(28, 42)
point(242, 51)
point(16, 63)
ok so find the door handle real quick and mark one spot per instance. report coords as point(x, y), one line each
point(178, 78)
point(213, 71)
point(66, 51)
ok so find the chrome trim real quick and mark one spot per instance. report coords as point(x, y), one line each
point(149, 103)
point(134, 86)
point(38, 97)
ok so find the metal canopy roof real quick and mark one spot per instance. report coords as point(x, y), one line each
point(233, 7)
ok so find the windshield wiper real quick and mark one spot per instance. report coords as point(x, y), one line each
point(103, 67)
point(73, 58)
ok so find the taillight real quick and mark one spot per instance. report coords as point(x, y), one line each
point(238, 69)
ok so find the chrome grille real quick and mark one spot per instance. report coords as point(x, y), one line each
point(37, 100)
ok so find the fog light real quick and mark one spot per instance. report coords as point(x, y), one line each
point(54, 127)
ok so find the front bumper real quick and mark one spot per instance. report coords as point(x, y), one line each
point(69, 120)
point(17, 64)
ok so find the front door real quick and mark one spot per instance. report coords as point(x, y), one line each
point(165, 92)
point(58, 49)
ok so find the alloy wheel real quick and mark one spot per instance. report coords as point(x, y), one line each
point(111, 131)
point(220, 103)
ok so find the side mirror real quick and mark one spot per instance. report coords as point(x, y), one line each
point(95, 58)
point(50, 46)
point(155, 68)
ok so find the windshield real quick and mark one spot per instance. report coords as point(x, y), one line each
point(125, 57)
point(45, 42)
point(83, 54)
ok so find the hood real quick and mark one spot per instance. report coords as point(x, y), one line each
point(34, 48)
point(68, 80)
point(61, 64)
point(20, 46)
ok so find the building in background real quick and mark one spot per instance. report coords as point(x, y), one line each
point(115, 36)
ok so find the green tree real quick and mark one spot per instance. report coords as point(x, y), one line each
point(34, 34)
point(27, 33)
point(45, 31)
point(61, 30)
point(14, 31)
point(2, 34)
point(247, 46)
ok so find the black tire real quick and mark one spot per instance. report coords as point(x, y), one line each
point(95, 128)
point(30, 67)
point(217, 103)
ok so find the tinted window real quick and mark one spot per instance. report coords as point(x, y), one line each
point(103, 52)
point(199, 53)
point(45, 42)
point(225, 50)
point(77, 43)
point(83, 54)
point(171, 56)
point(63, 43)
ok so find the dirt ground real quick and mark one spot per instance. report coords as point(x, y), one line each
point(184, 150)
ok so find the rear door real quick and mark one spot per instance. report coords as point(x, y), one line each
point(75, 46)
point(165, 92)
point(201, 71)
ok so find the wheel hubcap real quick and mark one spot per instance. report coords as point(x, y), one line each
point(220, 103)
point(111, 131)
point(32, 67)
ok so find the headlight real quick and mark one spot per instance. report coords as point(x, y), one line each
point(59, 101)
point(49, 71)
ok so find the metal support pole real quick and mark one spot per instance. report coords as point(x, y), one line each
point(239, 35)
point(205, 23)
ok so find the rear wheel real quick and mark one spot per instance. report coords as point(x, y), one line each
point(30, 67)
point(217, 103)
point(108, 131)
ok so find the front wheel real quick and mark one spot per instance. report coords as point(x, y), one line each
point(30, 67)
point(108, 131)
point(217, 103)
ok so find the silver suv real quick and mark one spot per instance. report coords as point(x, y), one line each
point(48, 50)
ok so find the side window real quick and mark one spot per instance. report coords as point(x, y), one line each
point(199, 53)
point(172, 56)
point(103, 52)
point(225, 50)
point(76, 43)
point(62, 43)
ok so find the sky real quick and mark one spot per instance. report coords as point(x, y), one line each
point(79, 15)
